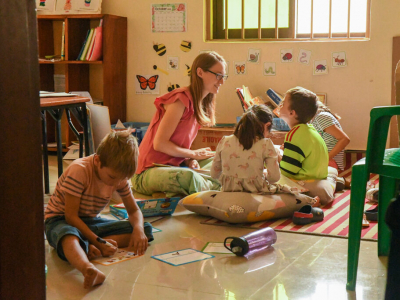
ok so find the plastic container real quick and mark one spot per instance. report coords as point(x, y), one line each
point(251, 243)
point(59, 83)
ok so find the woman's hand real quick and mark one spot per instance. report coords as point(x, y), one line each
point(203, 153)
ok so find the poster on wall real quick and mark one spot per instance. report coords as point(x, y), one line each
point(240, 67)
point(320, 67)
point(46, 5)
point(339, 59)
point(269, 69)
point(169, 17)
point(173, 62)
point(286, 55)
point(147, 84)
point(304, 56)
point(254, 56)
point(89, 5)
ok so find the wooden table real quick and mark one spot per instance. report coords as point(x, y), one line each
point(55, 106)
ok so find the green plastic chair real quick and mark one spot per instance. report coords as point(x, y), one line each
point(386, 163)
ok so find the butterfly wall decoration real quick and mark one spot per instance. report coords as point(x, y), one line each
point(240, 68)
point(147, 84)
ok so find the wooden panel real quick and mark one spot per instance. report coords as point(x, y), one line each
point(394, 132)
point(115, 66)
point(77, 30)
point(45, 36)
point(22, 251)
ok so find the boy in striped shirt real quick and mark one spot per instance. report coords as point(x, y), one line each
point(72, 224)
point(305, 155)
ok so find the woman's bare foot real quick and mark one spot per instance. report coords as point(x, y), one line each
point(92, 277)
point(93, 252)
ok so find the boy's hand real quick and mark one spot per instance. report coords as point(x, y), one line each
point(107, 250)
point(139, 241)
point(193, 164)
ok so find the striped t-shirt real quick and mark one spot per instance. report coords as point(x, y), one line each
point(80, 180)
point(322, 121)
point(305, 155)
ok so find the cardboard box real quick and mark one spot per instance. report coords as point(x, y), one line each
point(149, 207)
point(210, 137)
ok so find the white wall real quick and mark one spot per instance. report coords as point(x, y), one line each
point(351, 91)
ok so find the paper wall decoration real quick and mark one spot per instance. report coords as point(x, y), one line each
point(147, 84)
point(254, 55)
point(286, 55)
point(322, 97)
point(269, 69)
point(186, 46)
point(304, 56)
point(171, 87)
point(339, 59)
point(46, 5)
point(320, 67)
point(240, 67)
point(168, 17)
point(159, 48)
point(173, 62)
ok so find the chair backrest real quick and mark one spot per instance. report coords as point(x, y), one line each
point(377, 135)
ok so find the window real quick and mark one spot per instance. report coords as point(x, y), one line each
point(271, 20)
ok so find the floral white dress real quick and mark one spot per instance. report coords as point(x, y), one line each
point(240, 170)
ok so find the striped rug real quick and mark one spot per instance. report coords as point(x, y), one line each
point(336, 220)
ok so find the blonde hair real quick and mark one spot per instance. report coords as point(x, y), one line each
point(322, 107)
point(204, 109)
point(119, 151)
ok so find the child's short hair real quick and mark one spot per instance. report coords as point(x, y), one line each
point(304, 103)
point(250, 128)
point(119, 151)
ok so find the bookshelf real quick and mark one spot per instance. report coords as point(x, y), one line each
point(105, 79)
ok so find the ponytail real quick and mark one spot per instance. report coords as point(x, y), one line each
point(250, 128)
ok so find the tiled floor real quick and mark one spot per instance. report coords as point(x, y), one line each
point(298, 267)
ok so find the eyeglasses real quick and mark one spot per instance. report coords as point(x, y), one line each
point(219, 76)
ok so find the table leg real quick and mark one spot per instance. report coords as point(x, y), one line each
point(45, 153)
point(78, 136)
point(56, 114)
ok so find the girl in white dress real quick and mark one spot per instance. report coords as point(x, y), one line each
point(247, 161)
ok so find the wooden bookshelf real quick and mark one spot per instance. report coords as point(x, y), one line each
point(105, 79)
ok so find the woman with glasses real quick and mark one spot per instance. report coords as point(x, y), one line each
point(179, 115)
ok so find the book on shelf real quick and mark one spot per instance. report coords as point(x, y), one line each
point(90, 49)
point(274, 96)
point(87, 44)
point(63, 42)
point(83, 46)
point(97, 49)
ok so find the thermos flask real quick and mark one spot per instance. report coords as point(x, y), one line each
point(251, 243)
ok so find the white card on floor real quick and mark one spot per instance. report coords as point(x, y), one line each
point(216, 248)
point(182, 257)
point(154, 230)
point(119, 256)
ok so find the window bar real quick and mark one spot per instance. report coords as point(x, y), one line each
point(226, 19)
point(348, 19)
point(276, 20)
point(259, 19)
point(330, 19)
point(297, 19)
point(368, 18)
point(242, 33)
point(312, 20)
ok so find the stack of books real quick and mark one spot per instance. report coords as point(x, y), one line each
point(93, 45)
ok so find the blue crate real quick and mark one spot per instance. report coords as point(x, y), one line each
point(280, 125)
point(140, 129)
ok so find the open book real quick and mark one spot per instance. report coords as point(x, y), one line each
point(247, 100)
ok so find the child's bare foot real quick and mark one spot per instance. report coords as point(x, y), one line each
point(93, 252)
point(316, 202)
point(92, 277)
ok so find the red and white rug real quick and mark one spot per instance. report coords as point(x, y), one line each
point(335, 223)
